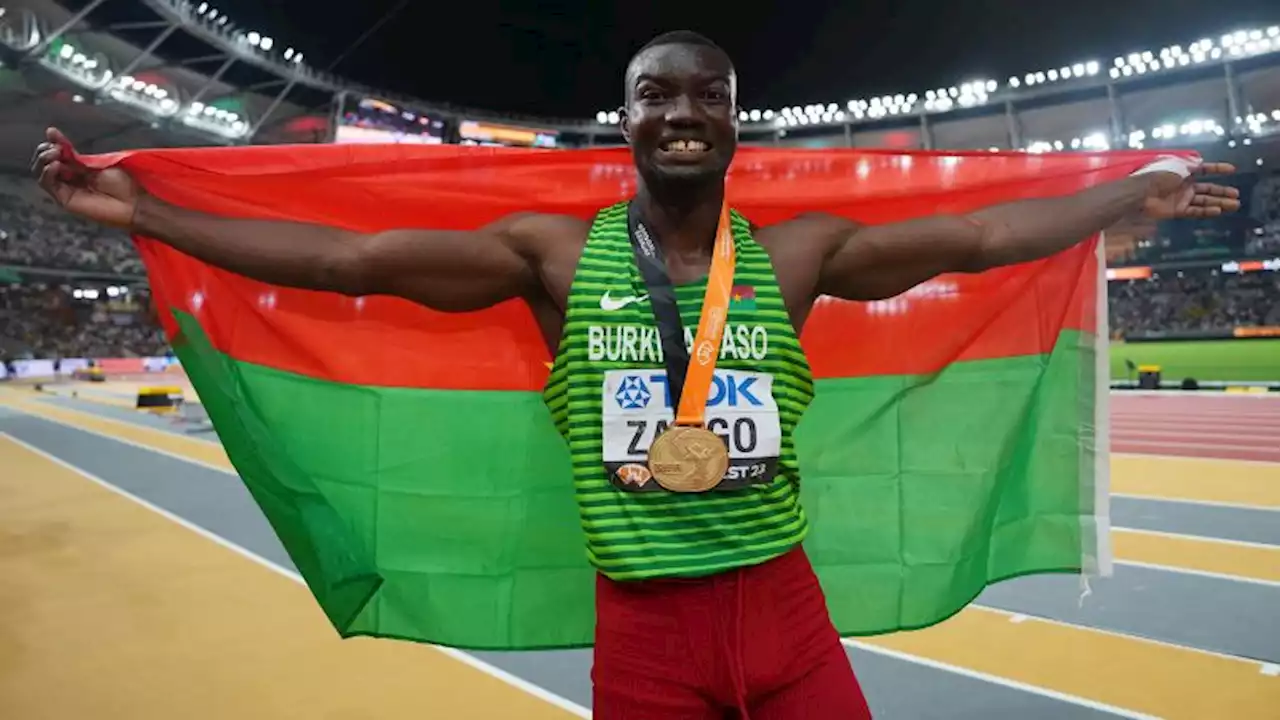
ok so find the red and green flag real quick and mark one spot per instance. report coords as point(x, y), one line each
point(406, 461)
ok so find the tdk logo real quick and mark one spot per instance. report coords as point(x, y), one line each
point(633, 394)
point(726, 391)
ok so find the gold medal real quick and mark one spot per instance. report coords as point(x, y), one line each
point(688, 459)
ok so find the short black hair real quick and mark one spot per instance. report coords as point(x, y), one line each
point(681, 37)
point(674, 37)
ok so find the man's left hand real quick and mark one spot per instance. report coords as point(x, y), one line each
point(1172, 194)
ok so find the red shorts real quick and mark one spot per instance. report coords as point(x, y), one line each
point(757, 640)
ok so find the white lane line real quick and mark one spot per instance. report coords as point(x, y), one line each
point(1188, 501)
point(470, 660)
point(1200, 538)
point(1201, 573)
point(1003, 682)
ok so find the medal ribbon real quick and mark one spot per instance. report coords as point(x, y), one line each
point(688, 378)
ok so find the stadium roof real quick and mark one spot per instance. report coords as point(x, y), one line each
point(173, 72)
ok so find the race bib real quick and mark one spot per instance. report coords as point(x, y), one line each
point(637, 407)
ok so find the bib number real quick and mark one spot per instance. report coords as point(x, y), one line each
point(637, 408)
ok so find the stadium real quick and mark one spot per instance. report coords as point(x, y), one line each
point(147, 583)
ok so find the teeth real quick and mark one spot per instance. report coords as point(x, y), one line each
point(686, 146)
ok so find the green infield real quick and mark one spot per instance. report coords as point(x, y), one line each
point(1202, 360)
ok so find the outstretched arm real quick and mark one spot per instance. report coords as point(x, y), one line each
point(444, 270)
point(881, 261)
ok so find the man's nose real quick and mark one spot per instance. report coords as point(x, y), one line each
point(684, 110)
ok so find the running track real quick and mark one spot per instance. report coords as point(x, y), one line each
point(1232, 427)
point(121, 608)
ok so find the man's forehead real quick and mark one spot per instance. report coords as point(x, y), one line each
point(681, 60)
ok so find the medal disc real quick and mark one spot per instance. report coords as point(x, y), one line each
point(688, 459)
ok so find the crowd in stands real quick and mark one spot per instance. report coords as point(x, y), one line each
point(34, 233)
point(1204, 301)
point(45, 322)
point(1265, 239)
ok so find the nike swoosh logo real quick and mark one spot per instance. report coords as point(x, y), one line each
point(609, 304)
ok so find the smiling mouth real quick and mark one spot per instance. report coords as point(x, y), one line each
point(685, 148)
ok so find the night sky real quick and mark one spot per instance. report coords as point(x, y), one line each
point(565, 58)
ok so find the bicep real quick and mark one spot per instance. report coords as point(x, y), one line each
point(445, 269)
point(873, 262)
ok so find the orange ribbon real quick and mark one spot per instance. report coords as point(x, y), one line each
point(706, 344)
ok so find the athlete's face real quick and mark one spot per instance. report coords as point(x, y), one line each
point(681, 116)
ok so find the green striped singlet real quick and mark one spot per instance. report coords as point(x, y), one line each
point(607, 395)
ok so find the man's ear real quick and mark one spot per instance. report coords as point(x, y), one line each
point(624, 122)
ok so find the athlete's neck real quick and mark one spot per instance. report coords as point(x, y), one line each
point(683, 217)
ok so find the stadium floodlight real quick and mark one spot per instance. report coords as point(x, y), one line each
point(203, 6)
point(1115, 72)
point(297, 59)
point(288, 54)
point(767, 115)
point(755, 115)
point(138, 85)
point(1093, 67)
point(254, 38)
point(1273, 31)
point(78, 58)
point(77, 98)
point(1078, 69)
point(1053, 75)
point(614, 118)
point(238, 126)
point(267, 43)
point(743, 116)
point(1134, 59)
point(222, 20)
point(602, 117)
point(1216, 53)
point(66, 52)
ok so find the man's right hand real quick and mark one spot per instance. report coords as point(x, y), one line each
point(109, 197)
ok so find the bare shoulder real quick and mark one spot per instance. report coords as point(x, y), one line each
point(797, 249)
point(808, 231)
point(537, 231)
point(552, 244)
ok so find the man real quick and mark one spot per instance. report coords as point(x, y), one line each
point(706, 602)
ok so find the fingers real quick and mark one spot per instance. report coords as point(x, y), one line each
point(49, 178)
point(55, 136)
point(1215, 169)
point(1226, 203)
point(36, 165)
point(1225, 191)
